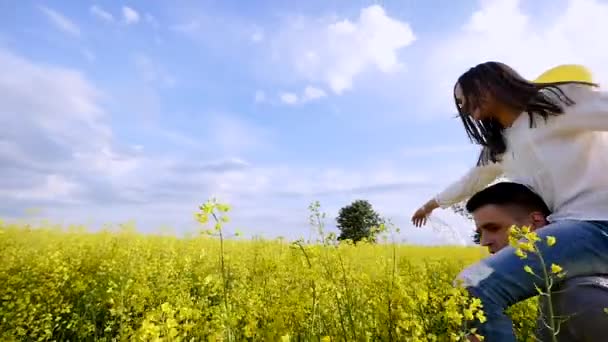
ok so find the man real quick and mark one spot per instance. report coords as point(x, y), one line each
point(582, 300)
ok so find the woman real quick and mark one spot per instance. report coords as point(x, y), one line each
point(551, 137)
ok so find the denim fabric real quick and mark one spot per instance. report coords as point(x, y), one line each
point(579, 303)
point(500, 280)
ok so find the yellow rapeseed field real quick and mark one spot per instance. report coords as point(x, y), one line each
point(68, 284)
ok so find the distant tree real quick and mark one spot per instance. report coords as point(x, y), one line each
point(357, 221)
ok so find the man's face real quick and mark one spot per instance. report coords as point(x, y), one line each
point(493, 222)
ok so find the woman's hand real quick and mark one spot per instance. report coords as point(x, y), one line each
point(420, 216)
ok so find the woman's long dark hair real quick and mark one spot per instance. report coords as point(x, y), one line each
point(510, 89)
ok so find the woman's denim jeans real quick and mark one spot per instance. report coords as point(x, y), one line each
point(500, 280)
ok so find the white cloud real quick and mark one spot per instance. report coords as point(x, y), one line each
point(181, 140)
point(310, 182)
point(153, 72)
point(530, 43)
point(52, 117)
point(130, 15)
point(58, 154)
point(289, 98)
point(257, 36)
point(57, 186)
point(187, 28)
point(312, 93)
point(266, 200)
point(101, 13)
point(60, 21)
point(53, 188)
point(105, 160)
point(260, 96)
point(232, 135)
point(433, 150)
point(150, 19)
point(275, 197)
point(89, 55)
point(335, 51)
point(42, 93)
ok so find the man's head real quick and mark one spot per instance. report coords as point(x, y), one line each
point(500, 206)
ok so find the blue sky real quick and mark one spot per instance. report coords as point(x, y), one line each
point(141, 110)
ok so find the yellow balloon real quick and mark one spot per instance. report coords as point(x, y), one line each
point(565, 73)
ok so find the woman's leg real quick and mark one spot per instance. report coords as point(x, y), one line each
point(583, 301)
point(500, 280)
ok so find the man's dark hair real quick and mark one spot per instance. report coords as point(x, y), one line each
point(510, 194)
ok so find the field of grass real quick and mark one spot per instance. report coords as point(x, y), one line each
point(120, 285)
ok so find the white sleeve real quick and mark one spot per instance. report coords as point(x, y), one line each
point(589, 113)
point(473, 181)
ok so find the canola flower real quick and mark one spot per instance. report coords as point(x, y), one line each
point(120, 285)
point(525, 241)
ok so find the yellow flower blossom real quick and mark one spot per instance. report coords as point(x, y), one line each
point(520, 253)
point(556, 268)
point(198, 287)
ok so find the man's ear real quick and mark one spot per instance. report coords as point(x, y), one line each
point(538, 220)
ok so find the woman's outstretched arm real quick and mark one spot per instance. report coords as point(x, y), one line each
point(473, 181)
